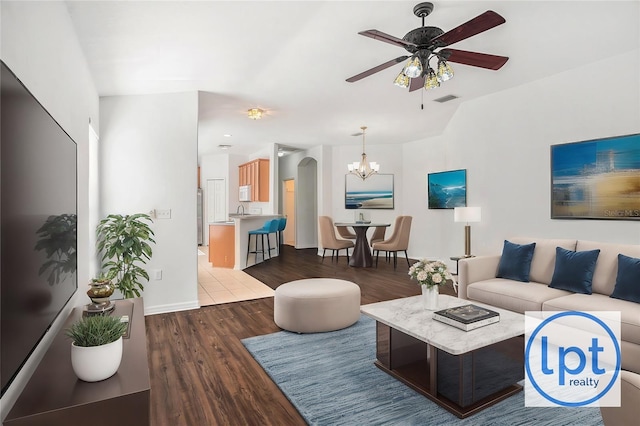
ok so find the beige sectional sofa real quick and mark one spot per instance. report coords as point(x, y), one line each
point(477, 282)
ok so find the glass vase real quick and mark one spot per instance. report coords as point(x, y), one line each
point(430, 297)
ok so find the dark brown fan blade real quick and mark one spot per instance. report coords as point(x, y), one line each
point(416, 83)
point(479, 24)
point(379, 35)
point(475, 59)
point(374, 70)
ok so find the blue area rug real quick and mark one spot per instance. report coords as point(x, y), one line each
point(331, 380)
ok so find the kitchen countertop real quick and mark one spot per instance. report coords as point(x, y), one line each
point(251, 216)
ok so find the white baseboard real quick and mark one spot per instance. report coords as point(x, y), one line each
point(173, 307)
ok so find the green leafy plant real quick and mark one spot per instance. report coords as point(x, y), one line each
point(96, 330)
point(100, 279)
point(124, 244)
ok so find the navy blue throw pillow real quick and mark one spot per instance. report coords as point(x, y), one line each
point(515, 262)
point(574, 270)
point(628, 280)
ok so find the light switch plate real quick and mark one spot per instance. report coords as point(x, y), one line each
point(163, 213)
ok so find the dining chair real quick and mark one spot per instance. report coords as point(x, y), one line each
point(394, 232)
point(399, 241)
point(344, 232)
point(329, 240)
point(378, 235)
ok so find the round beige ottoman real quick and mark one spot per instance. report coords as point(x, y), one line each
point(316, 304)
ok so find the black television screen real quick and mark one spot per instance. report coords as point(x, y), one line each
point(38, 231)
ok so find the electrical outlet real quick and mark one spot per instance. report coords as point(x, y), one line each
point(163, 213)
point(157, 274)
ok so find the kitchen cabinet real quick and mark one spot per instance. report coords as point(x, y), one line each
point(222, 245)
point(256, 174)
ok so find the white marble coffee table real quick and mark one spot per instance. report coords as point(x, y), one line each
point(463, 371)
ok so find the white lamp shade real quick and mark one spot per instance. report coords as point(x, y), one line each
point(466, 214)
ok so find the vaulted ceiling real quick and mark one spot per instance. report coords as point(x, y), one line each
point(291, 58)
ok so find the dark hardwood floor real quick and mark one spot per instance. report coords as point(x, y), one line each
point(201, 374)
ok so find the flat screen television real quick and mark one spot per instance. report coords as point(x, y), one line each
point(38, 232)
point(447, 190)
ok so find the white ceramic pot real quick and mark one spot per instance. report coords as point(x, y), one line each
point(430, 297)
point(95, 363)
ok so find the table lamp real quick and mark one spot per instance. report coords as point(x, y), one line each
point(466, 214)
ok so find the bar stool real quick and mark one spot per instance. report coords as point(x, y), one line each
point(282, 223)
point(269, 227)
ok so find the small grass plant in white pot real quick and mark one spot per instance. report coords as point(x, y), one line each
point(96, 350)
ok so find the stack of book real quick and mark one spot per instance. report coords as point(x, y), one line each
point(467, 317)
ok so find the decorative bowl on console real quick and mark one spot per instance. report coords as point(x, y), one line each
point(100, 290)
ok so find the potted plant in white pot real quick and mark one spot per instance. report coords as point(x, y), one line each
point(96, 349)
point(124, 241)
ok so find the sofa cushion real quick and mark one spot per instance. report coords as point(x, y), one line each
point(628, 279)
point(513, 295)
point(604, 277)
point(515, 262)
point(544, 256)
point(574, 270)
point(629, 311)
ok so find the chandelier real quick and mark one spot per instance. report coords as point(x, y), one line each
point(418, 67)
point(363, 169)
point(255, 113)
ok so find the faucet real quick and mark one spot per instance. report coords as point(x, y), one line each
point(238, 210)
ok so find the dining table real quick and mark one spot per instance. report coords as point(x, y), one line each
point(361, 256)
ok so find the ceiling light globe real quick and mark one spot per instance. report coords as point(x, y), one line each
point(255, 113)
point(431, 82)
point(445, 72)
point(413, 69)
point(402, 80)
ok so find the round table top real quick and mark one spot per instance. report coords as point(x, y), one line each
point(352, 224)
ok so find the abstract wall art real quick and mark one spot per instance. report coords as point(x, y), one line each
point(596, 179)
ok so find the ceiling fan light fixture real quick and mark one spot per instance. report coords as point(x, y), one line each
point(255, 113)
point(413, 68)
point(402, 80)
point(431, 80)
point(445, 72)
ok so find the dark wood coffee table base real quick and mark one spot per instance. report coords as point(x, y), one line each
point(463, 384)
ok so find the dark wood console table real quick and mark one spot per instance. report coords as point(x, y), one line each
point(55, 396)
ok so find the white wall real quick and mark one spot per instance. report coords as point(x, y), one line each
point(38, 43)
point(390, 159)
point(149, 161)
point(504, 140)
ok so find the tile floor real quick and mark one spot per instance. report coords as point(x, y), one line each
point(222, 285)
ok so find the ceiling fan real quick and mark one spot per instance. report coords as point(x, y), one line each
point(423, 44)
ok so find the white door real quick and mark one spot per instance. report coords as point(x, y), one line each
point(216, 200)
point(289, 211)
